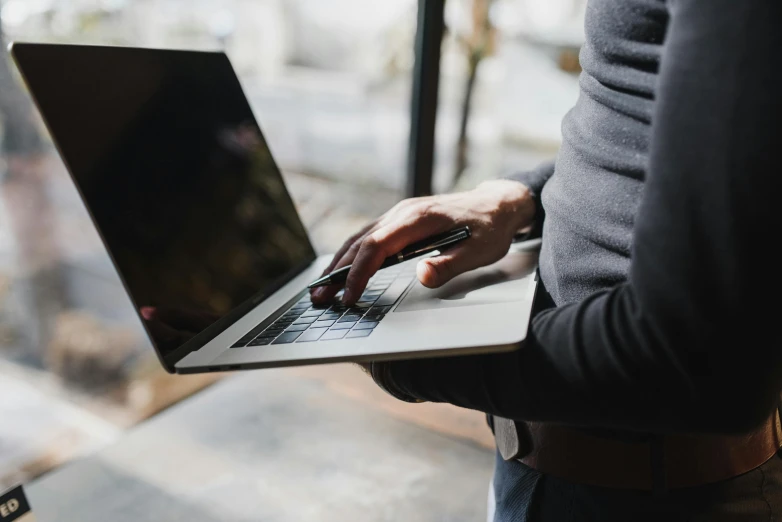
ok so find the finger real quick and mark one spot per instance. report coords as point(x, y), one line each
point(349, 248)
point(435, 271)
point(385, 242)
point(343, 257)
point(346, 245)
point(324, 294)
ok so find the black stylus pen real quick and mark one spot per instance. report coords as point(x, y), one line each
point(417, 249)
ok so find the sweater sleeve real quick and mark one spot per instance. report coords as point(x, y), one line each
point(690, 341)
point(535, 180)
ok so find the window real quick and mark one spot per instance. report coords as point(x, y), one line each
point(330, 85)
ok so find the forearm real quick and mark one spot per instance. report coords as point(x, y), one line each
point(593, 364)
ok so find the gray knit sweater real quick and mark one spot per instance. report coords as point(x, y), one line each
point(592, 195)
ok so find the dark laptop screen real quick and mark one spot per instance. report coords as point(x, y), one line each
point(180, 182)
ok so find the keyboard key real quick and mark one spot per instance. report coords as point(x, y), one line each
point(261, 341)
point(393, 293)
point(249, 336)
point(343, 326)
point(365, 326)
point(365, 304)
point(379, 309)
point(368, 318)
point(306, 320)
point(330, 315)
point(297, 328)
point(349, 318)
point(358, 333)
point(273, 329)
point(312, 335)
point(287, 337)
point(312, 313)
point(320, 324)
point(356, 310)
point(298, 307)
point(333, 334)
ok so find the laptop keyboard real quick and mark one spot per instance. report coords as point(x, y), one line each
point(304, 322)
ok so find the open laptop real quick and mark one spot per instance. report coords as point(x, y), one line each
point(172, 166)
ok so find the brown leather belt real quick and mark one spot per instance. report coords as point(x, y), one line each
point(673, 461)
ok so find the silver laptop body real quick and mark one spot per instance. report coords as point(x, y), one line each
point(174, 170)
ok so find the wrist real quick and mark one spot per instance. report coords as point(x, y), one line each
point(514, 199)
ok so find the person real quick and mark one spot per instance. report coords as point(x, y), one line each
point(648, 385)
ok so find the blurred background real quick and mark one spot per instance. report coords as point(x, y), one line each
point(330, 83)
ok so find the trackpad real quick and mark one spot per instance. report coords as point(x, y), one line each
point(504, 281)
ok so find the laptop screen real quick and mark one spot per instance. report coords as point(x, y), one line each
point(179, 180)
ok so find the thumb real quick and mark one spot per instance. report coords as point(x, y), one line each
point(435, 271)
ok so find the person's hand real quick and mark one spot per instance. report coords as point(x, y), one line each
point(494, 211)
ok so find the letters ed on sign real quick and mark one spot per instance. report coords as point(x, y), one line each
point(8, 508)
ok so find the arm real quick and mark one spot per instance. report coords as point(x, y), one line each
point(690, 342)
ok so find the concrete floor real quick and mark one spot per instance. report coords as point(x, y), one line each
point(274, 445)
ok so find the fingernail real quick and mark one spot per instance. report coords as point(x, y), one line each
point(347, 296)
point(317, 293)
point(147, 312)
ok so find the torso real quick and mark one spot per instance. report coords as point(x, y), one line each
point(592, 198)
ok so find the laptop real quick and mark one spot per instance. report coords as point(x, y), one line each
point(175, 172)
